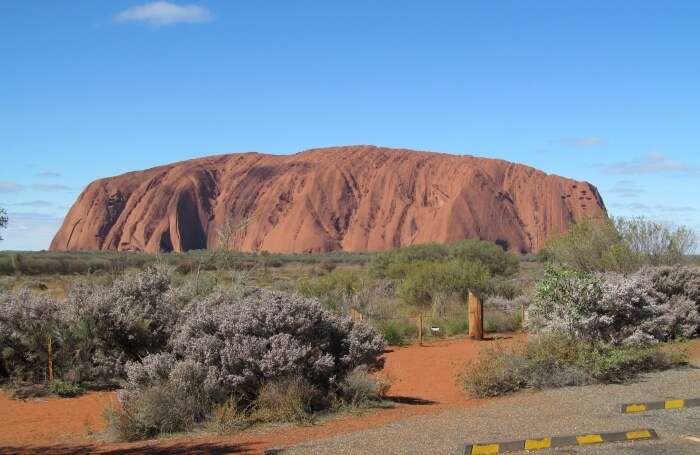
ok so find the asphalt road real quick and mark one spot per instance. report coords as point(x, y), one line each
point(560, 412)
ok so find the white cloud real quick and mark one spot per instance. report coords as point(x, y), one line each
point(653, 163)
point(163, 13)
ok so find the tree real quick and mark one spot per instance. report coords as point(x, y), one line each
point(3, 220)
point(593, 246)
point(659, 242)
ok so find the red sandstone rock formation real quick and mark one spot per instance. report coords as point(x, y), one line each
point(358, 198)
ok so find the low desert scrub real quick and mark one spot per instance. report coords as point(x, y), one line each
point(360, 388)
point(557, 361)
point(399, 331)
point(286, 400)
point(498, 321)
point(294, 400)
point(65, 389)
point(651, 305)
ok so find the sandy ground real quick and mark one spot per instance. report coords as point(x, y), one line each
point(424, 380)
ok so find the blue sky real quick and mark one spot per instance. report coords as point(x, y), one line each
point(604, 91)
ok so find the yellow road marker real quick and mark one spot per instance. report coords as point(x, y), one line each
point(485, 449)
point(537, 444)
point(589, 439)
point(636, 408)
point(674, 404)
point(641, 434)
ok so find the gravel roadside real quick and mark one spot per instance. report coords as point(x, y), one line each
point(567, 411)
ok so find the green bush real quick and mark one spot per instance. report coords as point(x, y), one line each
point(153, 411)
point(454, 325)
point(492, 256)
point(393, 264)
point(593, 245)
point(398, 332)
point(65, 389)
point(425, 280)
point(556, 361)
point(501, 321)
point(285, 400)
point(564, 301)
point(360, 388)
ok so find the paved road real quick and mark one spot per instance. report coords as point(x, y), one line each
point(561, 412)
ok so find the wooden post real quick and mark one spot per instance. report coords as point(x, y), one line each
point(476, 317)
point(522, 315)
point(420, 329)
point(356, 315)
point(50, 355)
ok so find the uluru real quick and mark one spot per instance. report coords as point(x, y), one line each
point(354, 198)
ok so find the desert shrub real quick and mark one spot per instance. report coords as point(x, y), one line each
point(620, 245)
point(336, 289)
point(162, 396)
point(659, 243)
point(360, 388)
point(502, 321)
point(454, 325)
point(26, 320)
point(393, 264)
point(632, 310)
point(556, 361)
point(566, 301)
point(285, 400)
point(113, 324)
point(390, 264)
point(593, 245)
point(278, 354)
point(648, 306)
point(670, 281)
point(328, 265)
point(149, 412)
point(507, 304)
point(265, 335)
point(231, 416)
point(492, 256)
point(503, 287)
point(65, 389)
point(425, 280)
point(34, 285)
point(398, 332)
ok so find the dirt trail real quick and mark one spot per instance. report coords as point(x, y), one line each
point(424, 380)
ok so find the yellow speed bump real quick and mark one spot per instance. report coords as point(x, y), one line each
point(640, 434)
point(485, 449)
point(535, 444)
point(589, 439)
point(630, 408)
point(674, 404)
